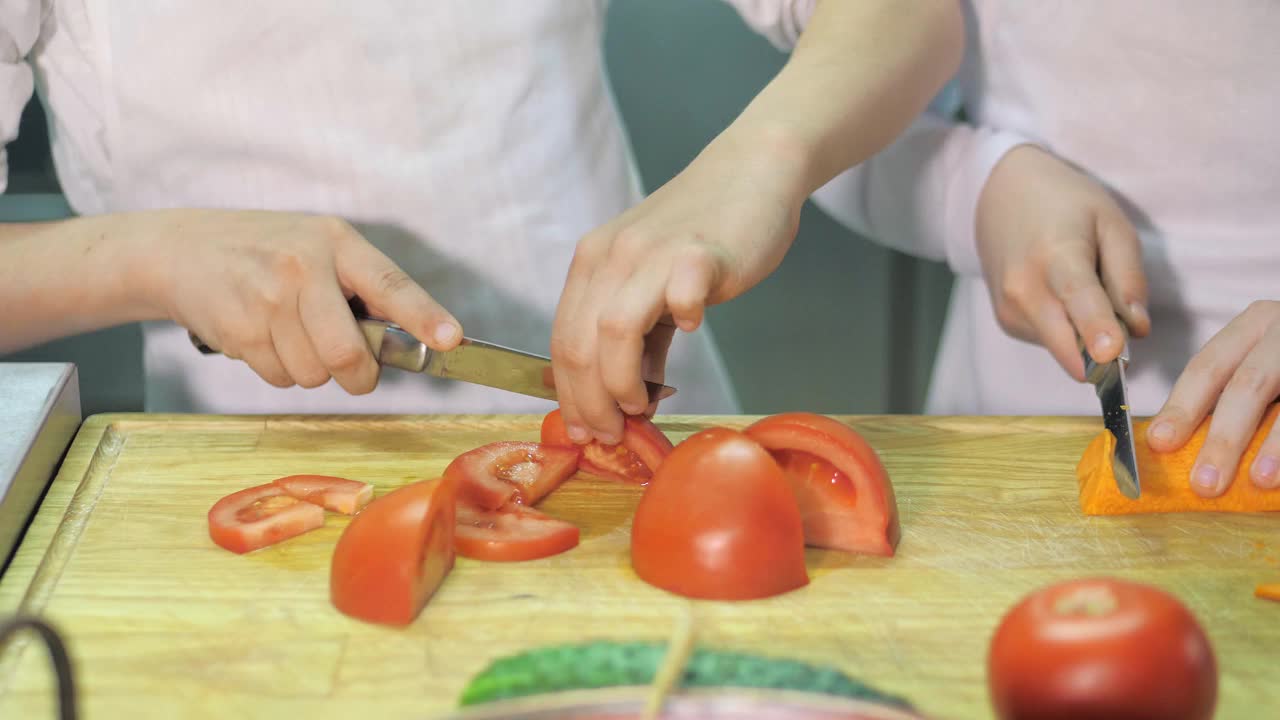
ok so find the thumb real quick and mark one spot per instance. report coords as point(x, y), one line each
point(1120, 263)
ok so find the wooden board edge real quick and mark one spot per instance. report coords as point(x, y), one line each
point(59, 519)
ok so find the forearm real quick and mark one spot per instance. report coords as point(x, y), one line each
point(860, 73)
point(71, 276)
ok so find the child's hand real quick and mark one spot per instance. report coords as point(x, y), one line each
point(1044, 232)
point(1236, 375)
point(708, 235)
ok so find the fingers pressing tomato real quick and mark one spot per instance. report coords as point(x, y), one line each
point(633, 459)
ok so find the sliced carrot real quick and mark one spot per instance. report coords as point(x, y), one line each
point(1268, 591)
point(1165, 477)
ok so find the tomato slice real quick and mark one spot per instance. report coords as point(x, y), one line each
point(260, 516)
point(332, 493)
point(845, 495)
point(719, 521)
point(523, 472)
point(395, 553)
point(512, 533)
point(634, 459)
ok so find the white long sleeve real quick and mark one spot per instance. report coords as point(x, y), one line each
point(19, 29)
point(779, 21)
point(920, 194)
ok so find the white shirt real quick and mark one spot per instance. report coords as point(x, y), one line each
point(475, 142)
point(1174, 106)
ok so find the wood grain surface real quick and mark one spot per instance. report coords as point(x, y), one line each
point(164, 624)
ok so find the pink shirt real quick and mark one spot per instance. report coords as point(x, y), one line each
point(1174, 106)
point(475, 142)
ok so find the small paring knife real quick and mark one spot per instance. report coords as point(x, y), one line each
point(1108, 380)
point(473, 361)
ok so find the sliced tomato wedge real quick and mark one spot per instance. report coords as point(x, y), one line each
point(395, 553)
point(512, 533)
point(719, 522)
point(332, 493)
point(522, 472)
point(845, 495)
point(634, 459)
point(260, 516)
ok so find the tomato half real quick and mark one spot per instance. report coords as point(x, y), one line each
point(512, 533)
point(719, 521)
point(845, 495)
point(260, 516)
point(395, 553)
point(333, 493)
point(523, 472)
point(1101, 648)
point(634, 459)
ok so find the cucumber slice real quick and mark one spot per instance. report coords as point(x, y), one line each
point(610, 664)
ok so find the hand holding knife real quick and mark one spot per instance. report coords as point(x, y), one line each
point(474, 361)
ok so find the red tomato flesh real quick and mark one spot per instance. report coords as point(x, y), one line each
point(511, 533)
point(634, 459)
point(845, 495)
point(332, 493)
point(260, 516)
point(1101, 648)
point(395, 553)
point(522, 472)
point(719, 521)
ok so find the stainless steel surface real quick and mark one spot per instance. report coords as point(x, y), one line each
point(1108, 380)
point(473, 361)
point(39, 415)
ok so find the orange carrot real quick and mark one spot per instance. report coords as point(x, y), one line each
point(1268, 591)
point(1166, 483)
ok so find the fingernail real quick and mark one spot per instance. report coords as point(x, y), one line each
point(1139, 312)
point(1207, 477)
point(632, 409)
point(1162, 431)
point(445, 333)
point(577, 433)
point(1101, 342)
point(1265, 468)
point(608, 439)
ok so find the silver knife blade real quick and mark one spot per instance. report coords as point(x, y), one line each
point(1108, 380)
point(473, 361)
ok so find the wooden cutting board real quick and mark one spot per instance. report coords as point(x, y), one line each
point(164, 624)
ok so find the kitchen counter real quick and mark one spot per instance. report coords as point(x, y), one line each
point(39, 415)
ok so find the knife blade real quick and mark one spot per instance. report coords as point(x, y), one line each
point(474, 361)
point(1109, 383)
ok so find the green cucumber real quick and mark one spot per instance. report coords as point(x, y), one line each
point(612, 664)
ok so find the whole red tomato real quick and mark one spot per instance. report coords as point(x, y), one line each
point(1101, 648)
